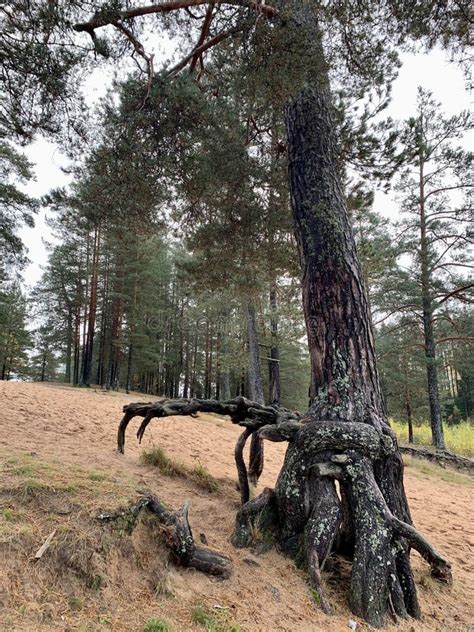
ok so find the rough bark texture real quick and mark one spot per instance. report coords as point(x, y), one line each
point(344, 381)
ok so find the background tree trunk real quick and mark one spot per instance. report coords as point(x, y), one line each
point(430, 345)
point(274, 360)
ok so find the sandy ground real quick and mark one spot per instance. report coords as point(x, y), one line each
point(78, 427)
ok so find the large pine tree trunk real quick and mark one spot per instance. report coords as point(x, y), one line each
point(344, 381)
point(345, 435)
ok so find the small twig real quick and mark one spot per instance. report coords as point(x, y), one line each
point(45, 546)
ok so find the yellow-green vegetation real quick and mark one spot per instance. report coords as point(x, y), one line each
point(459, 438)
point(157, 625)
point(199, 474)
point(215, 621)
point(425, 469)
point(167, 466)
point(75, 603)
point(96, 476)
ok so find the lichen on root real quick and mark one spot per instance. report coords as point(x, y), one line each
point(309, 518)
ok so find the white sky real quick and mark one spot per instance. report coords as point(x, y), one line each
point(432, 71)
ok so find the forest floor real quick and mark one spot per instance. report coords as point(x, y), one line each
point(59, 468)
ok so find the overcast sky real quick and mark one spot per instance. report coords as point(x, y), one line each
point(432, 71)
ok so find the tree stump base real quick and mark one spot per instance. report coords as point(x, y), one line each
point(310, 516)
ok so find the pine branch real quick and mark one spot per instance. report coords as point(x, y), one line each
point(99, 20)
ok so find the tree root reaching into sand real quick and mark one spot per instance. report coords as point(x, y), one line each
point(242, 411)
point(178, 536)
point(340, 489)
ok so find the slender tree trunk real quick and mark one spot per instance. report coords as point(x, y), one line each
point(195, 359)
point(77, 344)
point(254, 370)
point(218, 362)
point(85, 306)
point(67, 375)
point(116, 333)
point(274, 361)
point(43, 366)
point(430, 345)
point(408, 407)
point(256, 456)
point(89, 343)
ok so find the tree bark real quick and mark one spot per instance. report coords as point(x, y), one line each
point(274, 360)
point(344, 380)
point(254, 371)
point(408, 407)
point(427, 301)
point(89, 342)
point(256, 457)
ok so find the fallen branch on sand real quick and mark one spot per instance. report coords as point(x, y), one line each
point(178, 535)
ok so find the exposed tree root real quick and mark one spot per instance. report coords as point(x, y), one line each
point(242, 411)
point(367, 517)
point(178, 536)
point(308, 516)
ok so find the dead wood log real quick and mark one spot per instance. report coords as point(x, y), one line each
point(441, 457)
point(178, 535)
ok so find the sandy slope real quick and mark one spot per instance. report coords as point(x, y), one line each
point(78, 427)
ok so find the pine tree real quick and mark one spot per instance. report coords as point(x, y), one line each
point(436, 230)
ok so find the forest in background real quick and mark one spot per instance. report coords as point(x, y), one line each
point(174, 271)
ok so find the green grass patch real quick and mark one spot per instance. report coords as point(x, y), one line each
point(202, 477)
point(214, 621)
point(93, 475)
point(157, 625)
point(199, 474)
point(425, 469)
point(74, 603)
point(167, 466)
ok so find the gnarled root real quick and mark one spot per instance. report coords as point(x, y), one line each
point(178, 536)
point(259, 513)
point(373, 515)
point(242, 411)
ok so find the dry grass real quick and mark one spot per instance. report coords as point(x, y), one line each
point(459, 438)
point(425, 469)
point(199, 474)
point(68, 583)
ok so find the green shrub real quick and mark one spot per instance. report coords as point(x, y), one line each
point(157, 625)
point(158, 458)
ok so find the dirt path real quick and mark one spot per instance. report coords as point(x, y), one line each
point(78, 427)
